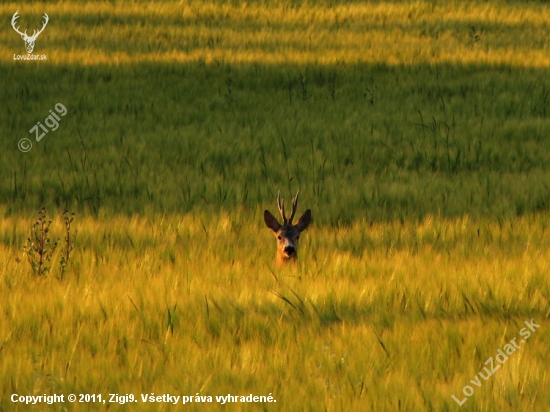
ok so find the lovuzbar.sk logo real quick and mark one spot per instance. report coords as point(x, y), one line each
point(29, 40)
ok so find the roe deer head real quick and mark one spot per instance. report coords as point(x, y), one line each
point(287, 234)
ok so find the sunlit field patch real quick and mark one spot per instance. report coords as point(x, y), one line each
point(298, 33)
point(179, 305)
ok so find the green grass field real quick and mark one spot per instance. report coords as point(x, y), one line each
point(416, 131)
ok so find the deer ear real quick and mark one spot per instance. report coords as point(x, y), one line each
point(304, 221)
point(271, 221)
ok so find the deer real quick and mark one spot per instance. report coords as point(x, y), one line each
point(287, 233)
point(29, 40)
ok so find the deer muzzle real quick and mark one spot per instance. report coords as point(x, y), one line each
point(290, 250)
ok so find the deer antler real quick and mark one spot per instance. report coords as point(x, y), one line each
point(13, 21)
point(294, 207)
point(281, 205)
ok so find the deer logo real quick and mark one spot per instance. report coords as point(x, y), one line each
point(287, 234)
point(29, 40)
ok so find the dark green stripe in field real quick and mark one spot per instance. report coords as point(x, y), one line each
point(375, 142)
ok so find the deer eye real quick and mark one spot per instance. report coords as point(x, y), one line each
point(279, 237)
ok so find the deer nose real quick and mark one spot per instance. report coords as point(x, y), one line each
point(289, 250)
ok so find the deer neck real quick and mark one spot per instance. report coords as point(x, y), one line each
point(282, 259)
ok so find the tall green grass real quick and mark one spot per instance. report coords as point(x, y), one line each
point(435, 140)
